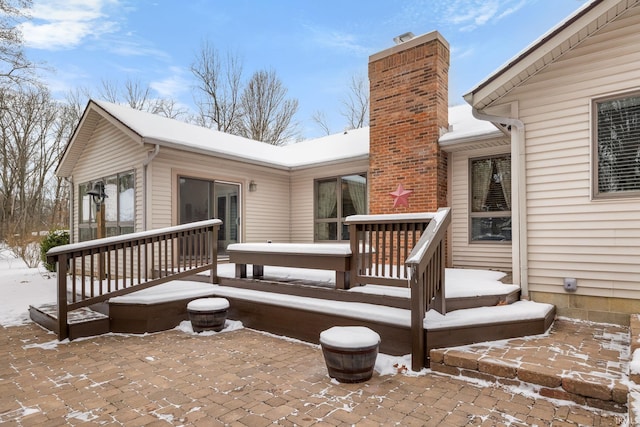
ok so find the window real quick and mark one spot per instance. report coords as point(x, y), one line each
point(617, 146)
point(491, 199)
point(119, 206)
point(336, 199)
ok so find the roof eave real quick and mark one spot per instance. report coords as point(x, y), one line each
point(509, 76)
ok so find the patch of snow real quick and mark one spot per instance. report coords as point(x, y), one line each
point(208, 304)
point(229, 325)
point(394, 365)
point(464, 126)
point(349, 337)
point(519, 310)
point(165, 292)
point(82, 416)
point(21, 287)
point(293, 248)
point(634, 363)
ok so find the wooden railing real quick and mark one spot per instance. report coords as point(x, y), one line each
point(426, 264)
point(380, 245)
point(96, 270)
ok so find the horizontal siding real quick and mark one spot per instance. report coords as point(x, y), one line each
point(302, 190)
point(496, 256)
point(110, 151)
point(264, 213)
point(569, 234)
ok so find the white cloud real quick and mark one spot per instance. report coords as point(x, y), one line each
point(465, 15)
point(63, 24)
point(172, 85)
point(337, 40)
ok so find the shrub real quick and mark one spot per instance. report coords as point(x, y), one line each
point(53, 239)
point(25, 247)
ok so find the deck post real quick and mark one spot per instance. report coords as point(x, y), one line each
point(354, 262)
point(213, 254)
point(63, 329)
point(418, 309)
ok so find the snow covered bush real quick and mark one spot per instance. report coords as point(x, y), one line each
point(53, 239)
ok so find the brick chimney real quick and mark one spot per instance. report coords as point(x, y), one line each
point(409, 107)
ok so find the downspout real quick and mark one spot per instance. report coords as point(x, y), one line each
point(69, 181)
point(152, 155)
point(519, 205)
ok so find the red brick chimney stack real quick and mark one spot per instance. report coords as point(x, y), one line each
point(408, 110)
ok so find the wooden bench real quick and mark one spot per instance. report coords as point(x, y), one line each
point(321, 256)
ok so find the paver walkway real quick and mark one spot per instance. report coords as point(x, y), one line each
point(579, 361)
point(241, 378)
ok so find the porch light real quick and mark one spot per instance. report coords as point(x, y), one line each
point(97, 193)
point(253, 187)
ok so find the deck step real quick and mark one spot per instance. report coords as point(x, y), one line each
point(83, 322)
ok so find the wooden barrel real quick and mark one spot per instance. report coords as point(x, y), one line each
point(350, 353)
point(208, 314)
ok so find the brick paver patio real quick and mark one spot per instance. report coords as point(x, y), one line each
point(241, 378)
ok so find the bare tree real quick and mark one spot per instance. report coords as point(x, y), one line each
point(267, 115)
point(218, 87)
point(320, 119)
point(30, 150)
point(139, 97)
point(14, 65)
point(356, 104)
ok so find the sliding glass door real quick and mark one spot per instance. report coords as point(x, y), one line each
point(203, 199)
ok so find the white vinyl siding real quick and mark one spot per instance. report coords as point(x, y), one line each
point(109, 151)
point(264, 213)
point(467, 254)
point(569, 233)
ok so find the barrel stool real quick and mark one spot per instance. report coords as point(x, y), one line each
point(208, 314)
point(350, 352)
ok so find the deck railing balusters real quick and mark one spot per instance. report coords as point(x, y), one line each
point(134, 271)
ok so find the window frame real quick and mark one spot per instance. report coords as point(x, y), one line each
point(489, 214)
point(596, 194)
point(91, 225)
point(340, 218)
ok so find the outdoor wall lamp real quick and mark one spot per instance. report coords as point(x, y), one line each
point(253, 186)
point(97, 193)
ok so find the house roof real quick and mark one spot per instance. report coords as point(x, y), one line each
point(147, 128)
point(153, 129)
point(584, 22)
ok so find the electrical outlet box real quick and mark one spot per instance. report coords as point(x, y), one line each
point(570, 284)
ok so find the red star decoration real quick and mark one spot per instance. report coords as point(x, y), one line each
point(400, 196)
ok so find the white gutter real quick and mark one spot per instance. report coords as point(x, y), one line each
point(152, 155)
point(519, 204)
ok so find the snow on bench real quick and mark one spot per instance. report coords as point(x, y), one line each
point(320, 256)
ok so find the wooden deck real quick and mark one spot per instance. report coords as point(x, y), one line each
point(409, 258)
point(282, 318)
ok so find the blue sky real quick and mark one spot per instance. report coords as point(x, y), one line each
point(314, 46)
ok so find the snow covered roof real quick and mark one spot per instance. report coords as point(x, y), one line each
point(172, 133)
point(464, 127)
point(340, 147)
